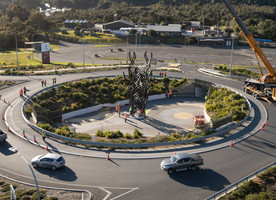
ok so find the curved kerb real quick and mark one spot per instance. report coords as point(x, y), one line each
point(143, 145)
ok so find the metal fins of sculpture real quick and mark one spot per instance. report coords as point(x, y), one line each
point(139, 83)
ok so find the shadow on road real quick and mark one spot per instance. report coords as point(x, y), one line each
point(203, 178)
point(63, 174)
point(5, 148)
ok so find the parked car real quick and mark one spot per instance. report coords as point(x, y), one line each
point(181, 161)
point(3, 136)
point(49, 160)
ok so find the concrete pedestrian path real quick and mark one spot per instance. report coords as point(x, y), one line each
point(17, 124)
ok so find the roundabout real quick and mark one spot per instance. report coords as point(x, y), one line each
point(140, 176)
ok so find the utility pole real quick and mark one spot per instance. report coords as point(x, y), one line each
point(231, 56)
point(16, 50)
point(83, 59)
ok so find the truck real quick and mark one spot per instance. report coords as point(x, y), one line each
point(181, 161)
point(265, 86)
point(3, 136)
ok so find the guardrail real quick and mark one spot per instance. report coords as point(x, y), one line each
point(142, 145)
point(239, 183)
point(220, 74)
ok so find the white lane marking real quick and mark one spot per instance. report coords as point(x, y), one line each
point(124, 193)
point(66, 184)
point(108, 193)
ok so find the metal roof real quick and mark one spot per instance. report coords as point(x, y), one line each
point(169, 28)
point(70, 21)
point(122, 21)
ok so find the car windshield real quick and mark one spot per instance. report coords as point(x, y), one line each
point(60, 159)
point(173, 159)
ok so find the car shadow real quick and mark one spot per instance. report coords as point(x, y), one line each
point(63, 173)
point(203, 178)
point(5, 148)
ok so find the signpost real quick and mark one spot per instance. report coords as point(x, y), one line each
point(45, 49)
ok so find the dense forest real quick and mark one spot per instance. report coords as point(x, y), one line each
point(21, 16)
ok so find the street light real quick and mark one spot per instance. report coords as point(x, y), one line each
point(15, 150)
point(83, 59)
point(231, 56)
point(16, 50)
point(33, 44)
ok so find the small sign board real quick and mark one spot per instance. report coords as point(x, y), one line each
point(45, 47)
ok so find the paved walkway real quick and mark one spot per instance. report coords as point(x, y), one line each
point(164, 116)
point(16, 123)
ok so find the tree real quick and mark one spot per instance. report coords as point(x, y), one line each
point(17, 11)
point(133, 31)
point(152, 33)
point(39, 22)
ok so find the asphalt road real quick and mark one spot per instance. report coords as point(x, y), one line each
point(140, 179)
point(69, 52)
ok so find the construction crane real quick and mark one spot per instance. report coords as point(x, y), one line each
point(265, 86)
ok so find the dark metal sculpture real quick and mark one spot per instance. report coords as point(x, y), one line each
point(139, 80)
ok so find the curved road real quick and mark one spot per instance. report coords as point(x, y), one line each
point(138, 179)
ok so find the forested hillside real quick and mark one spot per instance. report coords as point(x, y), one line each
point(21, 16)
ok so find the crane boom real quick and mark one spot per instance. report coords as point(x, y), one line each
point(251, 41)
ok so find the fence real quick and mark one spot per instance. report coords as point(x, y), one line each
point(237, 184)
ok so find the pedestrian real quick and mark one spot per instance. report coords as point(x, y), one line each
point(165, 74)
point(119, 111)
point(139, 112)
point(53, 79)
point(43, 135)
point(125, 117)
point(25, 90)
point(116, 108)
point(166, 93)
point(170, 94)
point(20, 93)
point(159, 73)
point(45, 83)
point(42, 83)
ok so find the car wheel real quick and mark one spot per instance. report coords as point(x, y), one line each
point(193, 168)
point(53, 167)
point(171, 171)
point(35, 165)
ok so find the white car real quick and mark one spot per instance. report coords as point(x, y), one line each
point(49, 160)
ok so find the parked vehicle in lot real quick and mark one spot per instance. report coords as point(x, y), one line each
point(3, 136)
point(181, 161)
point(49, 160)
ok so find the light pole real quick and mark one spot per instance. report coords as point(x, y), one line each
point(16, 51)
point(33, 48)
point(14, 149)
point(231, 56)
point(83, 59)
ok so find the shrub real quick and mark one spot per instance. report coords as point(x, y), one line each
point(137, 132)
point(128, 136)
point(47, 127)
point(100, 133)
point(118, 134)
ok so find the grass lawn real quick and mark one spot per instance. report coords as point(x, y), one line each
point(95, 36)
point(24, 57)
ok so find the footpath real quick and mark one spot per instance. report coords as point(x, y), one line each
point(255, 122)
